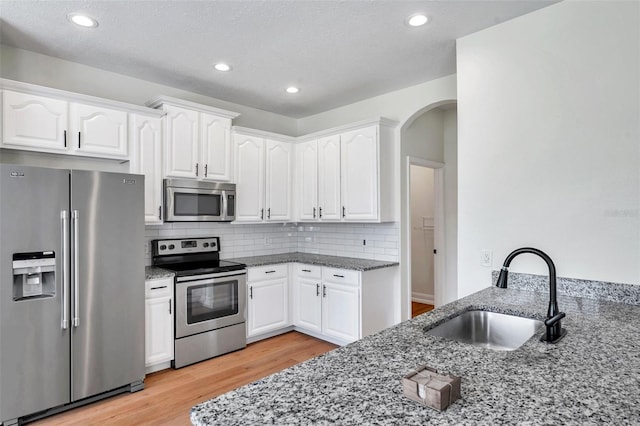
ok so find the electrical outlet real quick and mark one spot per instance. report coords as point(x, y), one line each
point(487, 258)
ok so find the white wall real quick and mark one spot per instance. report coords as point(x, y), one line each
point(549, 143)
point(30, 67)
point(399, 105)
point(422, 236)
point(450, 129)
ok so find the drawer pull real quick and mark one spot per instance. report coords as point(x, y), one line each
point(158, 288)
point(269, 272)
point(338, 276)
point(306, 270)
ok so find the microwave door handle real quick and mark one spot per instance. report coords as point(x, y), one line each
point(224, 205)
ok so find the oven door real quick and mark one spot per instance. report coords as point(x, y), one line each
point(208, 302)
point(194, 204)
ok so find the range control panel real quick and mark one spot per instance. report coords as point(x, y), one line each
point(186, 245)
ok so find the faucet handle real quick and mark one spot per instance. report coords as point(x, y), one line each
point(549, 322)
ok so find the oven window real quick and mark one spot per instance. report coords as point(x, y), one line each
point(187, 204)
point(210, 301)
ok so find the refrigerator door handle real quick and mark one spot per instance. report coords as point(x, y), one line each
point(76, 272)
point(64, 216)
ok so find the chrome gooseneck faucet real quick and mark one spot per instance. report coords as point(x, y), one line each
point(555, 332)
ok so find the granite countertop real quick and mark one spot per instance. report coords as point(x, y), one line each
point(592, 376)
point(154, 273)
point(315, 259)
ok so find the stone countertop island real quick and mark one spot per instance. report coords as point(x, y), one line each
point(592, 376)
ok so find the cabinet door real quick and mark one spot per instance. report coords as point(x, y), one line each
point(279, 166)
point(34, 122)
point(268, 306)
point(181, 132)
point(98, 131)
point(249, 176)
point(307, 180)
point(307, 304)
point(329, 178)
point(146, 159)
point(341, 311)
point(359, 174)
point(159, 330)
point(215, 144)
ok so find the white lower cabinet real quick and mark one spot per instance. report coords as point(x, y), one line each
point(340, 305)
point(158, 324)
point(268, 302)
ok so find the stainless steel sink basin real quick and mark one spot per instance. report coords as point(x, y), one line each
point(488, 329)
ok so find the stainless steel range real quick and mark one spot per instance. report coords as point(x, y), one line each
point(210, 298)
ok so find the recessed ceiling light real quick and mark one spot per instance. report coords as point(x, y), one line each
point(222, 67)
point(82, 20)
point(417, 19)
point(292, 89)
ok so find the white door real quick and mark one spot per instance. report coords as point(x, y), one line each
point(34, 121)
point(159, 330)
point(308, 304)
point(268, 306)
point(279, 166)
point(146, 141)
point(359, 174)
point(340, 311)
point(98, 131)
point(249, 176)
point(181, 152)
point(307, 176)
point(215, 144)
point(329, 178)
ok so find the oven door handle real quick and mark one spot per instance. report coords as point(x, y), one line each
point(209, 277)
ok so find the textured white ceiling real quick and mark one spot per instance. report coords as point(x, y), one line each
point(337, 52)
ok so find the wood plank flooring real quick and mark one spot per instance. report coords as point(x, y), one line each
point(169, 394)
point(419, 308)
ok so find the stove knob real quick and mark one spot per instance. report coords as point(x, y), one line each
point(205, 245)
point(163, 247)
point(171, 246)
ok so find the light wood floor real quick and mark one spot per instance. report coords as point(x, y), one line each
point(169, 394)
point(419, 308)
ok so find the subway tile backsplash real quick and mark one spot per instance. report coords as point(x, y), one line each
point(379, 241)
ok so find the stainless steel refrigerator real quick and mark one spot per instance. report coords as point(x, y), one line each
point(71, 287)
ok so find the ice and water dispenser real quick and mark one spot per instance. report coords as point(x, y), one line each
point(34, 275)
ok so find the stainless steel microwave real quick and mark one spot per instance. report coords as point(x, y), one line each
point(188, 200)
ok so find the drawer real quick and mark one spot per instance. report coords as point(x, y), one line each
point(307, 271)
point(340, 276)
point(269, 272)
point(158, 288)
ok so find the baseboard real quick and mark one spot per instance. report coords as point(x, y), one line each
point(422, 298)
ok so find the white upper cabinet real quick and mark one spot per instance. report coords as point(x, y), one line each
point(249, 177)
point(359, 174)
point(347, 176)
point(263, 170)
point(197, 140)
point(182, 140)
point(307, 179)
point(278, 185)
point(145, 135)
point(329, 178)
point(97, 130)
point(32, 121)
point(42, 119)
point(215, 138)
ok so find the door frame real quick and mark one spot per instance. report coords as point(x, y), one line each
point(438, 225)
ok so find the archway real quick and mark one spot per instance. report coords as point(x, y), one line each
point(429, 138)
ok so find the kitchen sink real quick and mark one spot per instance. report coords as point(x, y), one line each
point(489, 330)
